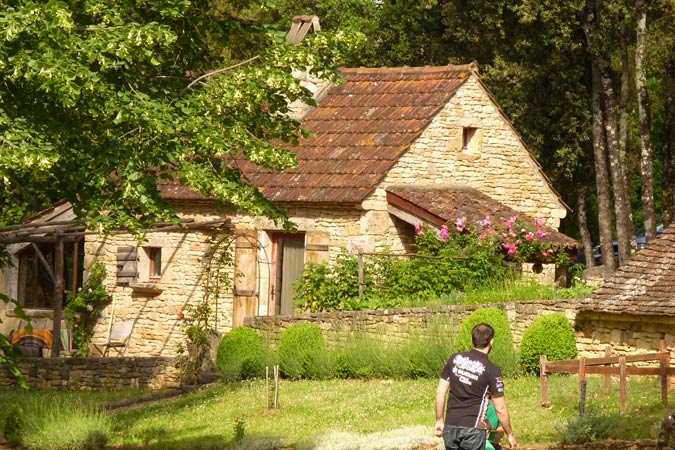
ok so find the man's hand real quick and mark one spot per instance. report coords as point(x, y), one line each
point(512, 441)
point(438, 430)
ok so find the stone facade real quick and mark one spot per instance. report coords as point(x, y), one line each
point(155, 303)
point(498, 164)
point(626, 334)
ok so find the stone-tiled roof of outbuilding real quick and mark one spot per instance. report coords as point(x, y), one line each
point(440, 205)
point(360, 130)
point(644, 285)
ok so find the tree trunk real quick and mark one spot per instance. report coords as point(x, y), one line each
point(602, 174)
point(582, 218)
point(644, 109)
point(623, 102)
point(668, 165)
point(621, 201)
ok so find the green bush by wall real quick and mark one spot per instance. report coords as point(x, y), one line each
point(241, 355)
point(551, 335)
point(302, 352)
point(503, 352)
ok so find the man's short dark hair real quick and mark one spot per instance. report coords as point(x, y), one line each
point(481, 335)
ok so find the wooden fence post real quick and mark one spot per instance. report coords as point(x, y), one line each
point(622, 381)
point(543, 380)
point(608, 377)
point(664, 365)
point(582, 371)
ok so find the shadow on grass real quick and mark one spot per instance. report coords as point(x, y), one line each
point(160, 439)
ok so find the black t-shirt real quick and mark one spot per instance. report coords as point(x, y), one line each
point(473, 381)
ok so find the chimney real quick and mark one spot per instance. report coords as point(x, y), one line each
point(301, 26)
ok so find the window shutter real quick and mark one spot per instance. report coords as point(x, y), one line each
point(245, 281)
point(317, 246)
point(127, 265)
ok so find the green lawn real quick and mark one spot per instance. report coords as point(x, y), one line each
point(363, 414)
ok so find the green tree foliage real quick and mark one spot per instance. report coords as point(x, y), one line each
point(503, 352)
point(241, 355)
point(100, 100)
point(302, 352)
point(551, 335)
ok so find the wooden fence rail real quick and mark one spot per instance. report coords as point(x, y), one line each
point(609, 366)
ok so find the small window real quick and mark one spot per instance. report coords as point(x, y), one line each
point(468, 134)
point(154, 262)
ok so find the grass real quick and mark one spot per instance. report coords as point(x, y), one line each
point(517, 291)
point(349, 414)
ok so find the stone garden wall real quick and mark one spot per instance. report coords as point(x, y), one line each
point(397, 325)
point(96, 373)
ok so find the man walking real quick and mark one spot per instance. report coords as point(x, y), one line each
point(472, 381)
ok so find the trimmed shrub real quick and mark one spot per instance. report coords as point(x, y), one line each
point(302, 352)
point(551, 335)
point(503, 352)
point(241, 355)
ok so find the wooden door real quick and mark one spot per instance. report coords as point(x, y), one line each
point(290, 264)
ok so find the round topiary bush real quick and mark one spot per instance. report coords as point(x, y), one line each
point(551, 335)
point(302, 352)
point(241, 355)
point(503, 352)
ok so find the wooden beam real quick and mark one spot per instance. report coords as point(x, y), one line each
point(59, 257)
point(45, 263)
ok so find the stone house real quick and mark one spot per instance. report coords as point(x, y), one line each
point(634, 309)
point(391, 148)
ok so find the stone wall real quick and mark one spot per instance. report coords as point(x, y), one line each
point(625, 333)
point(397, 325)
point(96, 373)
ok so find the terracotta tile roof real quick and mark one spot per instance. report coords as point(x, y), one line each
point(644, 285)
point(442, 205)
point(360, 130)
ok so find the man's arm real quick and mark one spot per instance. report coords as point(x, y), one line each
point(441, 398)
point(504, 419)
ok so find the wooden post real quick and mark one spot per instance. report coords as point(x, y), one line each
point(622, 381)
point(664, 365)
point(276, 387)
point(58, 295)
point(608, 377)
point(361, 281)
point(582, 371)
point(267, 385)
point(543, 380)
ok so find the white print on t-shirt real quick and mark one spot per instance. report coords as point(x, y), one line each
point(466, 369)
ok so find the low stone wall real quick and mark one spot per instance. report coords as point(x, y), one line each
point(96, 373)
point(397, 325)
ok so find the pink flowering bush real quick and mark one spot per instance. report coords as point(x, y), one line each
point(460, 256)
point(84, 307)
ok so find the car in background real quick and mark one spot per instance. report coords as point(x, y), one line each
point(640, 239)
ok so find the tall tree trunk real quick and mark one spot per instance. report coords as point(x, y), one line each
point(621, 201)
point(668, 168)
point(623, 101)
point(602, 174)
point(600, 148)
point(644, 109)
point(582, 218)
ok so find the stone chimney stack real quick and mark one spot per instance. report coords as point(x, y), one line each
point(301, 26)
